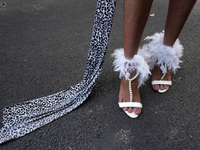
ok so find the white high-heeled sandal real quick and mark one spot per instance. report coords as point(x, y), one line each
point(165, 57)
point(131, 103)
point(127, 66)
point(162, 82)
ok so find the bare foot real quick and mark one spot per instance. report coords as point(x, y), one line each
point(156, 75)
point(124, 95)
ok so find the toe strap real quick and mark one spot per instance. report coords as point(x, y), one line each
point(130, 104)
point(161, 82)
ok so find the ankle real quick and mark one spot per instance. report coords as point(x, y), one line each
point(129, 67)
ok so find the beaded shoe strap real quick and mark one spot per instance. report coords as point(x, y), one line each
point(130, 89)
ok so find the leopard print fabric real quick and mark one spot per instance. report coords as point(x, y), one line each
point(23, 118)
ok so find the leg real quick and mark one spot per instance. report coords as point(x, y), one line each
point(178, 13)
point(136, 13)
point(135, 16)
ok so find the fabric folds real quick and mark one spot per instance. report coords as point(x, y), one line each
point(23, 118)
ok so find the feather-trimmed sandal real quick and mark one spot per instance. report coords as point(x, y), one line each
point(162, 82)
point(163, 56)
point(127, 66)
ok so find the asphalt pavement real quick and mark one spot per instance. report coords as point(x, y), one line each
point(43, 49)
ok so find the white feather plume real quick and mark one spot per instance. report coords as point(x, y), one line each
point(126, 66)
point(161, 54)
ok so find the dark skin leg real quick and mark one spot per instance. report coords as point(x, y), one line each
point(136, 13)
point(178, 13)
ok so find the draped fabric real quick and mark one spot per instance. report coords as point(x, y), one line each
point(23, 118)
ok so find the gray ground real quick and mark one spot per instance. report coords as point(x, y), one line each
point(43, 49)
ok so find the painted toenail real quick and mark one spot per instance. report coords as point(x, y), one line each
point(129, 111)
point(137, 111)
point(155, 87)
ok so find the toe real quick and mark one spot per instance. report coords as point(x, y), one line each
point(161, 87)
point(166, 86)
point(125, 108)
point(130, 110)
point(155, 87)
point(137, 111)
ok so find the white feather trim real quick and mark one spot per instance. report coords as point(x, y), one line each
point(162, 55)
point(126, 66)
